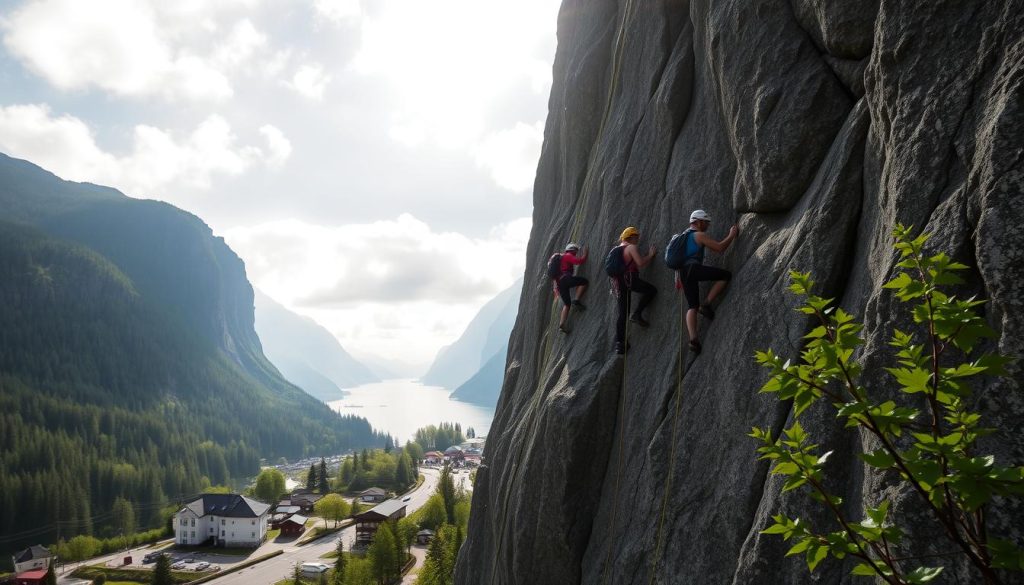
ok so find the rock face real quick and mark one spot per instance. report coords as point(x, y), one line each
point(816, 125)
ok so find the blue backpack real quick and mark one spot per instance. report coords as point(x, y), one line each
point(555, 266)
point(615, 262)
point(679, 252)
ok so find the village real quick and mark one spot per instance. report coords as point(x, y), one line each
point(235, 539)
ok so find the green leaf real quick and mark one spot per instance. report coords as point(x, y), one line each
point(923, 574)
point(879, 458)
point(815, 555)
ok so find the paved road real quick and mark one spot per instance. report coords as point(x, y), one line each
point(279, 567)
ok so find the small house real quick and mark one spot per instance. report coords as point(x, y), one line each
point(294, 525)
point(433, 457)
point(424, 536)
point(33, 577)
point(368, 522)
point(305, 500)
point(33, 557)
point(374, 494)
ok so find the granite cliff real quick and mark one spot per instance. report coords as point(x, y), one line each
point(816, 125)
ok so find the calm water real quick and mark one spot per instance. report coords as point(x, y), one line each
point(400, 407)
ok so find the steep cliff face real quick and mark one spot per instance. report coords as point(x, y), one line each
point(816, 125)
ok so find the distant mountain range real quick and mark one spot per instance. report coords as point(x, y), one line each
point(474, 364)
point(306, 354)
point(129, 364)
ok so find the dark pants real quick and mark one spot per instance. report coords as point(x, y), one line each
point(566, 284)
point(693, 274)
point(632, 283)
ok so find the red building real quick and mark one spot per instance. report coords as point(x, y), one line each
point(294, 525)
point(35, 577)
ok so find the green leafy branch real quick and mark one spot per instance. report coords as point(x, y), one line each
point(930, 450)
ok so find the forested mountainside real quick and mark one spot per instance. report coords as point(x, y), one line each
point(817, 127)
point(306, 354)
point(129, 366)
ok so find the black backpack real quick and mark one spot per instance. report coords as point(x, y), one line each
point(555, 266)
point(675, 252)
point(615, 262)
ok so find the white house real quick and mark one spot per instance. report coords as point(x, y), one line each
point(228, 519)
point(33, 557)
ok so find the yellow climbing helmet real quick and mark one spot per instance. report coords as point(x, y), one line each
point(629, 233)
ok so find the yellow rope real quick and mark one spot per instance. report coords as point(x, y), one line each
point(622, 408)
point(672, 453)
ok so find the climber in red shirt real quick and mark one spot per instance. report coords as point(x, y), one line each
point(567, 280)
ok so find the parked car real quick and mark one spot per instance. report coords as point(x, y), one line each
point(189, 560)
point(202, 566)
point(151, 557)
point(314, 568)
point(178, 566)
point(406, 498)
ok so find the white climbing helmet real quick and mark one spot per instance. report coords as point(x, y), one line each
point(572, 247)
point(699, 214)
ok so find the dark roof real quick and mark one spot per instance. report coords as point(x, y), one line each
point(383, 509)
point(374, 491)
point(228, 506)
point(425, 532)
point(33, 552)
point(297, 519)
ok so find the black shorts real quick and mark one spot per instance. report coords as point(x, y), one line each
point(566, 284)
point(692, 274)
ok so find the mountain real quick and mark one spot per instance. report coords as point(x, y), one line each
point(129, 365)
point(485, 336)
point(484, 386)
point(306, 354)
point(816, 126)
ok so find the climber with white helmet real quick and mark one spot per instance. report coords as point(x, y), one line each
point(562, 270)
point(685, 254)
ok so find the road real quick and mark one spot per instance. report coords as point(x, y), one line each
point(279, 567)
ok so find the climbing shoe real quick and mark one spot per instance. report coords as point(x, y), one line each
point(639, 320)
point(579, 305)
point(621, 348)
point(707, 311)
point(563, 329)
point(695, 347)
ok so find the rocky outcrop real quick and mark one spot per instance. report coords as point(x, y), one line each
point(816, 125)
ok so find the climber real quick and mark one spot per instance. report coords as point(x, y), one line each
point(567, 280)
point(623, 264)
point(690, 270)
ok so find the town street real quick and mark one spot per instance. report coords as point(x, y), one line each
point(279, 567)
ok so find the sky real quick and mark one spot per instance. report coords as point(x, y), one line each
point(371, 161)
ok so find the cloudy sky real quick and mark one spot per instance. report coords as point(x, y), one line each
point(370, 160)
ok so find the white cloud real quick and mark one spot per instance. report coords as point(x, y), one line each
point(240, 45)
point(133, 48)
point(448, 63)
point(310, 81)
point(511, 155)
point(337, 11)
point(384, 284)
point(278, 146)
point(158, 158)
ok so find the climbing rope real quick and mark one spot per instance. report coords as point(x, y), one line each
point(580, 207)
point(619, 417)
point(672, 449)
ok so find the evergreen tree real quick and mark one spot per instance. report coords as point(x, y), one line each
point(387, 444)
point(323, 484)
point(339, 563)
point(162, 571)
point(297, 574)
point(382, 553)
point(446, 487)
point(51, 575)
point(124, 517)
point(311, 478)
point(403, 473)
point(347, 472)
